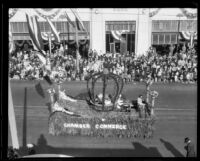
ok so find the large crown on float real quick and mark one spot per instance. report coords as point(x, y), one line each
point(107, 85)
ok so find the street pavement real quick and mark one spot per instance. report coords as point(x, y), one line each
point(175, 108)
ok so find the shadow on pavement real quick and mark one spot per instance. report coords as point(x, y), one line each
point(138, 150)
point(171, 148)
point(142, 151)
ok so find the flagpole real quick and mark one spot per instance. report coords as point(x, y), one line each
point(49, 35)
point(68, 32)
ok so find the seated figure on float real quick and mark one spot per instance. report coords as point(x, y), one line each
point(123, 104)
point(107, 99)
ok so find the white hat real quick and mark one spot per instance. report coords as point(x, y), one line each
point(29, 145)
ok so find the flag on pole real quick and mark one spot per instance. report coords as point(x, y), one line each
point(79, 23)
point(35, 33)
point(55, 32)
point(69, 20)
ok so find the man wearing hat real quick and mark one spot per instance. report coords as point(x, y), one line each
point(189, 148)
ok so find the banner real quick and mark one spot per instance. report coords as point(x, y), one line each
point(48, 12)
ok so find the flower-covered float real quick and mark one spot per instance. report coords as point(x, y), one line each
point(103, 113)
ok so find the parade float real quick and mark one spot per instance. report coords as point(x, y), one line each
point(103, 113)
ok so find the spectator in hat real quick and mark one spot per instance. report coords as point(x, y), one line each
point(189, 148)
point(140, 102)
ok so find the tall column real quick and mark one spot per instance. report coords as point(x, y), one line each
point(12, 120)
point(143, 28)
point(98, 31)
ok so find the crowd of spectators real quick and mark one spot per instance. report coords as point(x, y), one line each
point(179, 66)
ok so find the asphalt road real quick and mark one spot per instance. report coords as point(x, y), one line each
point(176, 111)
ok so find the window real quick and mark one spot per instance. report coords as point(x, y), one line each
point(167, 39)
point(164, 38)
point(164, 26)
point(155, 39)
point(161, 39)
point(173, 39)
point(120, 25)
point(128, 45)
point(22, 27)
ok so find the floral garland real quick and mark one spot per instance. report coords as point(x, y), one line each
point(47, 14)
point(188, 14)
point(135, 128)
point(58, 76)
point(154, 94)
point(151, 14)
point(12, 12)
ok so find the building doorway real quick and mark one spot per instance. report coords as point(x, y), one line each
point(121, 36)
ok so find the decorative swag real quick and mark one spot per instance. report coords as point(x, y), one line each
point(117, 34)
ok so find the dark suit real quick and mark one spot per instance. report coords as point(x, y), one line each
point(190, 150)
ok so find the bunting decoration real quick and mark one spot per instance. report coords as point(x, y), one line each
point(151, 14)
point(187, 35)
point(117, 34)
point(191, 36)
point(45, 36)
point(47, 13)
point(12, 12)
point(188, 14)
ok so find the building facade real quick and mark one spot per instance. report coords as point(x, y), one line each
point(122, 30)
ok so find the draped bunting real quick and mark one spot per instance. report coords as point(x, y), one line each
point(188, 14)
point(47, 13)
point(190, 36)
point(12, 12)
point(20, 44)
point(187, 35)
point(151, 14)
point(117, 34)
point(45, 36)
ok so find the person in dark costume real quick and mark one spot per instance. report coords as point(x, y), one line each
point(189, 148)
